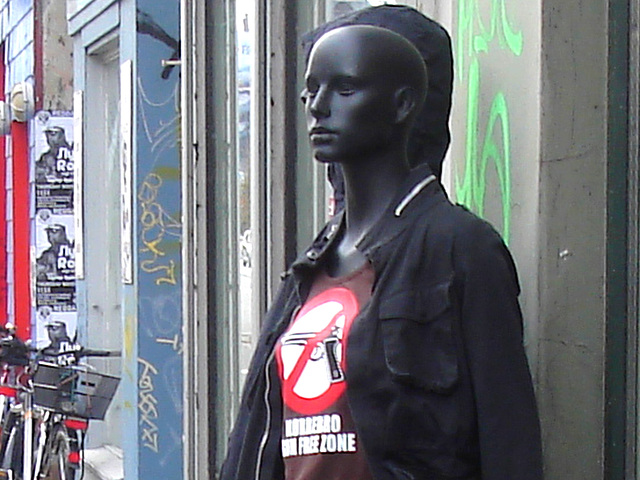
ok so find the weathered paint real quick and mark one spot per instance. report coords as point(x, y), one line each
point(158, 232)
point(495, 151)
point(56, 57)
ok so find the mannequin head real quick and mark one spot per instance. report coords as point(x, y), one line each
point(364, 86)
point(429, 138)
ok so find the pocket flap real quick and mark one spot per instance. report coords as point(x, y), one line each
point(422, 306)
point(399, 305)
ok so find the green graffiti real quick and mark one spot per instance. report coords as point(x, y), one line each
point(473, 32)
point(474, 38)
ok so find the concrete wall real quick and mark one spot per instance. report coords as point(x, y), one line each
point(572, 236)
point(57, 57)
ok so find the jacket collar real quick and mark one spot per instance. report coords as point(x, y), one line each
point(420, 183)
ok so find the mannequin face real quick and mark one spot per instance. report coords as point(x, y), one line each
point(348, 101)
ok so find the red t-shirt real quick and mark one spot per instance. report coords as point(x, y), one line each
point(319, 440)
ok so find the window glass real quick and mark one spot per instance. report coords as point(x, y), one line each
point(245, 21)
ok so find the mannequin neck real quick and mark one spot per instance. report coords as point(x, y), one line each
point(368, 190)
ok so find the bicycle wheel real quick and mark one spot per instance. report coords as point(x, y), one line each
point(63, 444)
point(12, 452)
point(6, 425)
point(42, 445)
point(12, 446)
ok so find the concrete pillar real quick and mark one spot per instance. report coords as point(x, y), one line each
point(572, 236)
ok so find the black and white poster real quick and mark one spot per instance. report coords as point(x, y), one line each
point(53, 168)
point(54, 252)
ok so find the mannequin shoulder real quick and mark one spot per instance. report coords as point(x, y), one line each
point(465, 230)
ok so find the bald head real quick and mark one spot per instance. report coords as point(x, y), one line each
point(364, 87)
point(383, 53)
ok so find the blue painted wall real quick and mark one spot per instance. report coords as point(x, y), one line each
point(158, 233)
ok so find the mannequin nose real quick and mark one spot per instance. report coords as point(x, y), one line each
point(319, 104)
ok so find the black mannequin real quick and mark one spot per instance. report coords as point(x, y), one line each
point(364, 86)
point(431, 376)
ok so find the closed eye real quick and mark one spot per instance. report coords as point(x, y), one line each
point(346, 89)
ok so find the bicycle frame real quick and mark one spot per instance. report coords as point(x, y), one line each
point(27, 432)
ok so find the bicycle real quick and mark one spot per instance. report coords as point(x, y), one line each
point(44, 432)
point(13, 362)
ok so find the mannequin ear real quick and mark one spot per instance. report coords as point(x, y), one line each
point(405, 102)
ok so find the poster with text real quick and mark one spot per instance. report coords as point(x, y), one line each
point(53, 166)
point(53, 252)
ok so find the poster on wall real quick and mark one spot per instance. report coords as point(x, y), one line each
point(54, 251)
point(53, 168)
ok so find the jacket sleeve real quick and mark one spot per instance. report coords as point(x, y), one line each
point(491, 323)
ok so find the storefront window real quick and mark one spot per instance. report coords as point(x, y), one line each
point(245, 18)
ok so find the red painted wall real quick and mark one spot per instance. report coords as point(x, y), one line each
point(21, 223)
point(3, 208)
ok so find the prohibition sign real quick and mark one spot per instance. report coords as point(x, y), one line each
point(311, 353)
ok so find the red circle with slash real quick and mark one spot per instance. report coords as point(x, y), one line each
point(311, 353)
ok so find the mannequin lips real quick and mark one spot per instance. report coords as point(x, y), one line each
point(321, 134)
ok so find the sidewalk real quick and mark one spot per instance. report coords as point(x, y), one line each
point(104, 463)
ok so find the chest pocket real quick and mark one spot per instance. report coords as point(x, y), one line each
point(418, 337)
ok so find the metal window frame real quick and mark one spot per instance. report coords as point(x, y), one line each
point(623, 237)
point(632, 464)
point(633, 371)
point(209, 163)
point(204, 141)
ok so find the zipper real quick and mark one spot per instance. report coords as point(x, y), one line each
point(267, 391)
point(413, 194)
point(265, 435)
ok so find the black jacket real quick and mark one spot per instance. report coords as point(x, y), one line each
point(438, 381)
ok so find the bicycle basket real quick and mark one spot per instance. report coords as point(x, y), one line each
point(73, 390)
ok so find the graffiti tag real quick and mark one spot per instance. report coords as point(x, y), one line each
point(473, 39)
point(148, 406)
point(156, 225)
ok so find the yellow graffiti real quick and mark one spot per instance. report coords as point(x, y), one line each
point(169, 271)
point(129, 339)
point(148, 406)
point(156, 225)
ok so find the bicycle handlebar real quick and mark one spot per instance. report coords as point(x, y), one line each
point(87, 352)
point(14, 351)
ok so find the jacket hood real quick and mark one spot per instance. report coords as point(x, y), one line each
point(430, 136)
